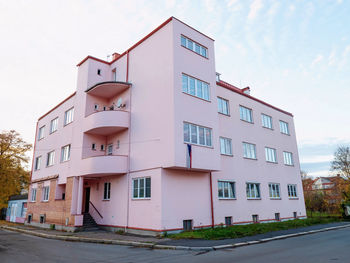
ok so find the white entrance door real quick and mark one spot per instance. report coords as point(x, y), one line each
point(13, 212)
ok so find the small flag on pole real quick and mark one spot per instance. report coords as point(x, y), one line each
point(189, 156)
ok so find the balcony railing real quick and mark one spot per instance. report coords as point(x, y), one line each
point(108, 89)
point(106, 122)
point(104, 165)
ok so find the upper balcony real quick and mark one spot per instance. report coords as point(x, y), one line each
point(108, 89)
point(104, 165)
point(106, 122)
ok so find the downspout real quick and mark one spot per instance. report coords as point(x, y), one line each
point(211, 201)
point(129, 143)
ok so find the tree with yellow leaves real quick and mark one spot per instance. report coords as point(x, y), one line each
point(13, 159)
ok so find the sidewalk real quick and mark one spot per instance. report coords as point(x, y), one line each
point(105, 237)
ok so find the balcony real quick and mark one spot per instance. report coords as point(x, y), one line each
point(108, 89)
point(106, 122)
point(104, 165)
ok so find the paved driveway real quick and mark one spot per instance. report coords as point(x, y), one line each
point(331, 246)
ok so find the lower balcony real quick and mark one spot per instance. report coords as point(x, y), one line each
point(104, 165)
point(106, 122)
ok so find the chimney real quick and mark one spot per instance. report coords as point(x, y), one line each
point(115, 55)
point(246, 90)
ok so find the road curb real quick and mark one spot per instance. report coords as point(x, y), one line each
point(158, 246)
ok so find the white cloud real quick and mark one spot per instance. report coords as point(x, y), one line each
point(316, 159)
point(331, 58)
point(255, 7)
point(322, 173)
point(316, 60)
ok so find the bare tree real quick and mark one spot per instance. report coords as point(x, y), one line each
point(341, 162)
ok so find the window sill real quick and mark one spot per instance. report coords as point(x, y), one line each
point(41, 138)
point(275, 198)
point(293, 198)
point(222, 198)
point(209, 147)
point(251, 198)
point(229, 155)
point(53, 132)
point(65, 161)
point(194, 96)
point(267, 128)
point(290, 165)
point(47, 166)
point(254, 159)
point(227, 115)
point(32, 202)
point(137, 199)
point(67, 124)
point(250, 122)
point(104, 200)
point(272, 162)
point(194, 51)
point(288, 134)
point(45, 201)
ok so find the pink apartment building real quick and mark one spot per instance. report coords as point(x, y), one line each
point(155, 142)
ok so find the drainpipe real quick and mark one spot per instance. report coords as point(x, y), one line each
point(129, 133)
point(211, 201)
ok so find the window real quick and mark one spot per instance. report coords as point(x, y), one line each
point(68, 116)
point(50, 158)
point(107, 191)
point(195, 87)
point(42, 219)
point(142, 187)
point(110, 149)
point(249, 150)
point(96, 106)
point(114, 74)
point(277, 217)
point(274, 190)
point(199, 49)
point(292, 191)
point(245, 114)
point(223, 106)
point(93, 146)
point(41, 132)
point(253, 190)
point(197, 134)
point(33, 195)
point(225, 146)
point(37, 163)
point(46, 192)
point(54, 125)
point(187, 225)
point(288, 158)
point(102, 147)
point(270, 154)
point(266, 121)
point(255, 219)
point(226, 190)
point(29, 218)
point(284, 127)
point(228, 220)
point(65, 153)
point(98, 72)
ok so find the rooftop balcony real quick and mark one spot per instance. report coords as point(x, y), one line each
point(106, 122)
point(104, 165)
point(108, 89)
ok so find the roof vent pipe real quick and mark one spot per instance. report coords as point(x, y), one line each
point(246, 90)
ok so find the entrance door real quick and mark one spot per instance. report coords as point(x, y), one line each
point(87, 199)
point(13, 213)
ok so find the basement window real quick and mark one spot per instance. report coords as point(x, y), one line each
point(295, 215)
point(42, 219)
point(277, 217)
point(255, 219)
point(188, 225)
point(29, 220)
point(228, 220)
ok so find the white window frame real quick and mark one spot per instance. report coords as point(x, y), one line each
point(266, 121)
point(195, 131)
point(54, 125)
point(223, 106)
point(50, 158)
point(288, 158)
point(246, 114)
point(284, 127)
point(249, 151)
point(274, 191)
point(33, 195)
point(194, 46)
point(41, 132)
point(138, 188)
point(37, 164)
point(46, 193)
point(253, 191)
point(65, 153)
point(107, 191)
point(200, 89)
point(230, 193)
point(270, 155)
point(68, 116)
point(225, 146)
point(292, 191)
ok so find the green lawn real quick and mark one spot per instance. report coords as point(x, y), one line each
point(236, 231)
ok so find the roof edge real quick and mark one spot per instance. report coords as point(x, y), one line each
point(229, 86)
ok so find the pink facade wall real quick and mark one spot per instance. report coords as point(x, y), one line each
point(147, 137)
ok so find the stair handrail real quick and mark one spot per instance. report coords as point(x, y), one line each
point(96, 209)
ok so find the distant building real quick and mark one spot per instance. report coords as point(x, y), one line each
point(154, 141)
point(17, 208)
point(333, 188)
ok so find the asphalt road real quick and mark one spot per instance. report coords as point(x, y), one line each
point(331, 246)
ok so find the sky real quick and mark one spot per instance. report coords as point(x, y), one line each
point(292, 54)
